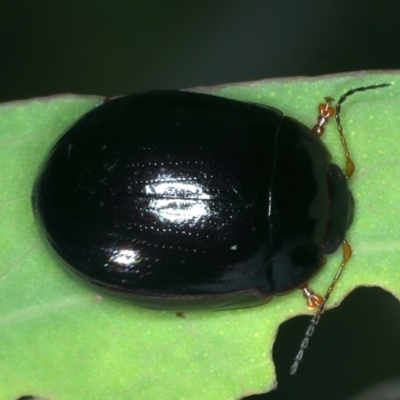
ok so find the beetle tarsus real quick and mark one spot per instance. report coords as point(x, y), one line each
point(313, 299)
point(325, 111)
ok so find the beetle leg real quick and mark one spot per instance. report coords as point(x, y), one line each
point(321, 307)
point(325, 111)
point(313, 299)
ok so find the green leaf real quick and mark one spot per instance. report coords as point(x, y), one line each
point(61, 340)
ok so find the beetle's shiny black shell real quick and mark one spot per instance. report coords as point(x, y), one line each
point(179, 200)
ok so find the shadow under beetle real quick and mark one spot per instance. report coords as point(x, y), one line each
point(179, 200)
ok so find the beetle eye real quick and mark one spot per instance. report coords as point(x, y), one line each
point(331, 246)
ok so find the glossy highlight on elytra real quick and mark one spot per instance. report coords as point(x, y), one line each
point(177, 202)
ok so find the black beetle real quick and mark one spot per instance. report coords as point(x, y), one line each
point(180, 200)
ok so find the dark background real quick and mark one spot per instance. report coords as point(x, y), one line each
point(116, 47)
